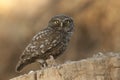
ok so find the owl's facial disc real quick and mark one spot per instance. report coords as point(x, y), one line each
point(61, 23)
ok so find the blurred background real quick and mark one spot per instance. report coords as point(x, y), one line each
point(97, 29)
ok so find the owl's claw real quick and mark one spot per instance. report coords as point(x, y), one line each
point(48, 63)
point(42, 63)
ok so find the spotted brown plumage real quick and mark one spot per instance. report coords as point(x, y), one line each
point(51, 41)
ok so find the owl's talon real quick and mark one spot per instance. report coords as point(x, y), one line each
point(42, 63)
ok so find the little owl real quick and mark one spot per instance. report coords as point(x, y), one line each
point(49, 42)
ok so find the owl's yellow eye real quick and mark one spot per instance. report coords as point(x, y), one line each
point(56, 22)
point(67, 21)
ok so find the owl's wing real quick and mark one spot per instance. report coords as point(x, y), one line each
point(41, 42)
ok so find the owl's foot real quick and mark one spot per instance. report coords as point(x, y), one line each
point(42, 63)
point(51, 61)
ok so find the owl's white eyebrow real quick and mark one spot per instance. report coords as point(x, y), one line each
point(57, 19)
point(66, 19)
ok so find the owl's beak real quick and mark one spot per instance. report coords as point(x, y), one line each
point(61, 24)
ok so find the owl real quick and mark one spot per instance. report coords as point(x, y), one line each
point(49, 42)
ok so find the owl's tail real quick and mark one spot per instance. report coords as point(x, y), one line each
point(21, 64)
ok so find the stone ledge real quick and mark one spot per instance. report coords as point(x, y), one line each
point(99, 67)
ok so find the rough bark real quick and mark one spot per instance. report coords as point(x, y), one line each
point(99, 67)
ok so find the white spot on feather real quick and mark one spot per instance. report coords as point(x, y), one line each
point(54, 41)
point(42, 51)
point(41, 46)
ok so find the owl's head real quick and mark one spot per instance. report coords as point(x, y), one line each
point(61, 23)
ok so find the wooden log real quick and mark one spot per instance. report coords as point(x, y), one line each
point(99, 67)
